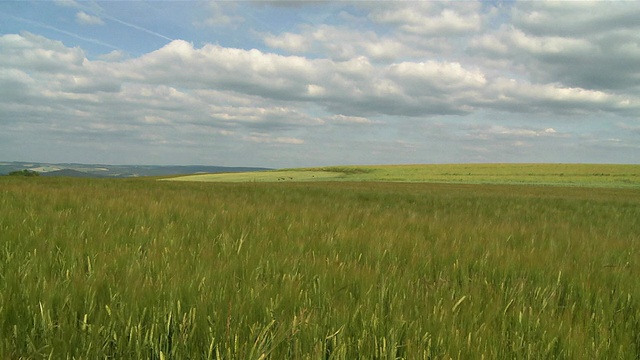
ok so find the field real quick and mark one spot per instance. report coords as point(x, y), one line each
point(139, 268)
point(602, 175)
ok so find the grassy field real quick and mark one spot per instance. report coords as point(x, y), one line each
point(138, 268)
point(540, 174)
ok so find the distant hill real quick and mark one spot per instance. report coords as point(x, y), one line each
point(585, 175)
point(116, 171)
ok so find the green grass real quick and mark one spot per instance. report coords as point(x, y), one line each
point(592, 175)
point(334, 270)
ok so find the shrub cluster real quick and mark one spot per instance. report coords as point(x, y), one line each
point(24, 172)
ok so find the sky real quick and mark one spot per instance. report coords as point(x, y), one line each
point(313, 83)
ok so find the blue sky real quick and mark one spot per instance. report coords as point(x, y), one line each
point(294, 83)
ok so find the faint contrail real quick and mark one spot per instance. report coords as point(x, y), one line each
point(97, 10)
point(46, 26)
point(135, 27)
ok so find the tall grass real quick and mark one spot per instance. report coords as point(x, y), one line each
point(158, 270)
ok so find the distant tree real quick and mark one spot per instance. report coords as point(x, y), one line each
point(24, 172)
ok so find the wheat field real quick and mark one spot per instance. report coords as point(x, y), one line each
point(147, 269)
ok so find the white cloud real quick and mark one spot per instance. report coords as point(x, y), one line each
point(115, 55)
point(516, 132)
point(220, 13)
point(15, 86)
point(152, 119)
point(177, 77)
point(66, 3)
point(341, 43)
point(591, 45)
point(268, 139)
point(548, 45)
point(440, 75)
point(316, 90)
point(37, 53)
point(293, 43)
point(86, 19)
point(430, 18)
point(575, 18)
point(89, 84)
point(511, 95)
point(349, 120)
point(257, 117)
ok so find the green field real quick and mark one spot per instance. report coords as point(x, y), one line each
point(146, 269)
point(594, 175)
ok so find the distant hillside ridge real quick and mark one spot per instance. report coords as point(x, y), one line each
point(71, 173)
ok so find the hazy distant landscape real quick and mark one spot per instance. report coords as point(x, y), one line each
point(115, 171)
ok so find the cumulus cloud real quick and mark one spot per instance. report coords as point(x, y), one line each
point(524, 97)
point(427, 76)
point(592, 45)
point(430, 18)
point(37, 53)
point(587, 18)
point(343, 43)
point(356, 89)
